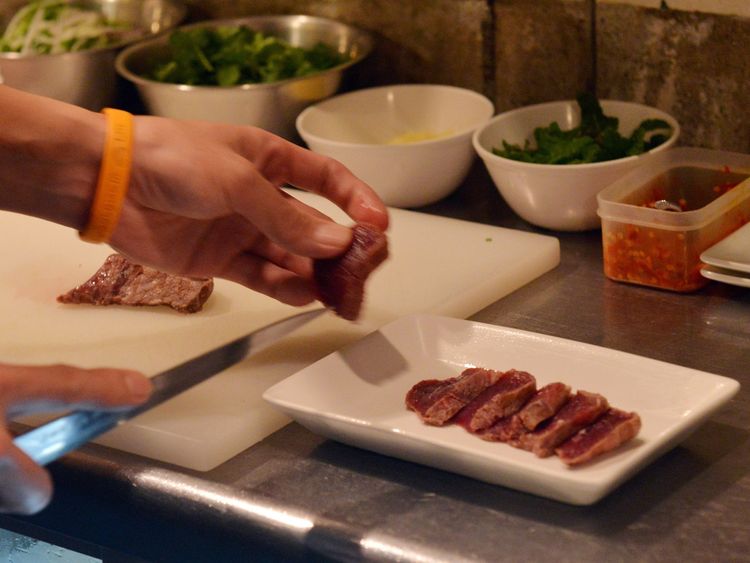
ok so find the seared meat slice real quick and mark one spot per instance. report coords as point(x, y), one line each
point(581, 410)
point(121, 282)
point(544, 404)
point(340, 281)
point(508, 429)
point(612, 429)
point(503, 398)
point(437, 401)
point(506, 407)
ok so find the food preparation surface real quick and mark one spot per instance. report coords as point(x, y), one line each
point(437, 265)
point(297, 496)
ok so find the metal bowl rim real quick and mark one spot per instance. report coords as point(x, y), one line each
point(162, 38)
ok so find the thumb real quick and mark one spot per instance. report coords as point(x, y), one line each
point(25, 487)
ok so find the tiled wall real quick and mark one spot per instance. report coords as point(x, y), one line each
point(693, 64)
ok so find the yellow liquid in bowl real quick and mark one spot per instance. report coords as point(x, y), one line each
point(416, 137)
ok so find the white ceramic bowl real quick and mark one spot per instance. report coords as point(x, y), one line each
point(560, 197)
point(410, 142)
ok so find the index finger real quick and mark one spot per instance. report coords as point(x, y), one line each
point(281, 162)
point(27, 389)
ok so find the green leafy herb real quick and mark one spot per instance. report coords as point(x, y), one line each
point(229, 56)
point(596, 139)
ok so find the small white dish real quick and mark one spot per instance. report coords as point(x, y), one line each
point(731, 253)
point(410, 142)
point(726, 276)
point(356, 396)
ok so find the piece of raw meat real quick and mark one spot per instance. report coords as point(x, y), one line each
point(612, 429)
point(121, 282)
point(340, 281)
point(582, 409)
point(508, 394)
point(436, 401)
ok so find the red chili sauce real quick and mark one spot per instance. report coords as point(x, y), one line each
point(660, 257)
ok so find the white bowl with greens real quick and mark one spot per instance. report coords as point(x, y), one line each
point(548, 161)
point(66, 49)
point(261, 71)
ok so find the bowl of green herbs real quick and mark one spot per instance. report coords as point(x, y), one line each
point(548, 161)
point(261, 71)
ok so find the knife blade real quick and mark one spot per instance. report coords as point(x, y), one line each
point(57, 437)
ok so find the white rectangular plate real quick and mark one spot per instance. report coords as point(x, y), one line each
point(731, 253)
point(731, 277)
point(356, 396)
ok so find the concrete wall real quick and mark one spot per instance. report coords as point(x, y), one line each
point(693, 64)
point(438, 41)
point(688, 57)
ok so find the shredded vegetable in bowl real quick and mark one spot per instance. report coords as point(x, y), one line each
point(51, 27)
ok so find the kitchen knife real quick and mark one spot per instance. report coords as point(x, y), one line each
point(66, 433)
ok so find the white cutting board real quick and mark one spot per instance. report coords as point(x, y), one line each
point(437, 265)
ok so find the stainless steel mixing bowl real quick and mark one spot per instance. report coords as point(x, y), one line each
point(272, 106)
point(88, 78)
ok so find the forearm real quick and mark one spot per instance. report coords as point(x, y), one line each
point(49, 157)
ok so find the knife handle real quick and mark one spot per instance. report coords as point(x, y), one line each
point(54, 439)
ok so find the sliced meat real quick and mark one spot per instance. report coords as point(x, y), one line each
point(502, 399)
point(612, 429)
point(544, 404)
point(582, 409)
point(506, 407)
point(121, 282)
point(437, 401)
point(508, 429)
point(340, 281)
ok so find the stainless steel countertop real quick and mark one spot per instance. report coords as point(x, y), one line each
point(298, 496)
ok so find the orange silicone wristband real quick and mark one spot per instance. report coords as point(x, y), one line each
point(114, 177)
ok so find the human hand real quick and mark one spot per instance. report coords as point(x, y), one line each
point(204, 198)
point(204, 201)
point(26, 488)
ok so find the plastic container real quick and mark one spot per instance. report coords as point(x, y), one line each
point(648, 246)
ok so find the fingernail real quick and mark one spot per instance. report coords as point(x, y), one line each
point(333, 234)
point(138, 385)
